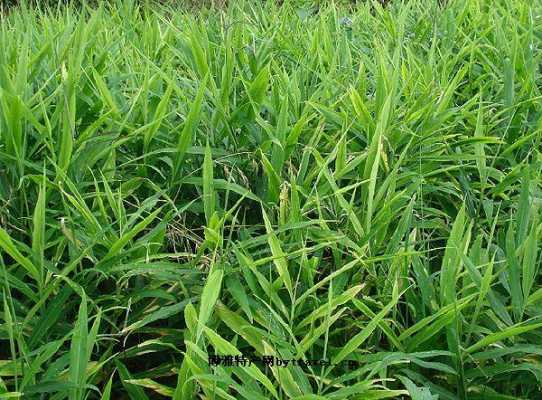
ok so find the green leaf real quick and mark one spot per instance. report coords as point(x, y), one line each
point(512, 331)
point(79, 355)
point(209, 296)
point(186, 136)
point(355, 342)
point(10, 247)
point(208, 188)
point(279, 258)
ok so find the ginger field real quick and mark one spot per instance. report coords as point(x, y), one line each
point(306, 200)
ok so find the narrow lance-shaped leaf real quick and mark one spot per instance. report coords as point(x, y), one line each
point(79, 352)
point(530, 265)
point(10, 247)
point(38, 231)
point(189, 128)
point(209, 296)
point(159, 116)
point(279, 258)
point(354, 343)
point(208, 185)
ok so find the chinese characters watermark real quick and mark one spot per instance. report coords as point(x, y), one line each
point(241, 360)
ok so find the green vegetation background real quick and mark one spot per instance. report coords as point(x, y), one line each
point(342, 183)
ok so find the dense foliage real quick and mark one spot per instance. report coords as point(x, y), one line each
point(356, 186)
